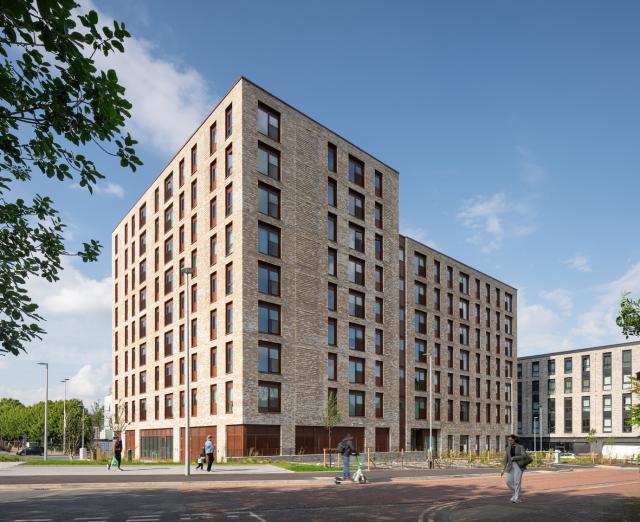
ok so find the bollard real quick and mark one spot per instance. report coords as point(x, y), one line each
point(368, 459)
point(324, 457)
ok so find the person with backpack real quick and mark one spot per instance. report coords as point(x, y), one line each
point(515, 462)
point(209, 446)
point(346, 448)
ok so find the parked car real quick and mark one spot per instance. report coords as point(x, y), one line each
point(31, 449)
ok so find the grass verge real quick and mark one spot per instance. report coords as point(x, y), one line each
point(301, 467)
point(10, 458)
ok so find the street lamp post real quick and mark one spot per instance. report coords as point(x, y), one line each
point(64, 417)
point(430, 411)
point(46, 409)
point(541, 410)
point(187, 271)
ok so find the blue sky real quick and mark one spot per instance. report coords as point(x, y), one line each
point(515, 128)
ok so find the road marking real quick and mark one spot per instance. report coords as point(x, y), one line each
point(234, 514)
point(32, 520)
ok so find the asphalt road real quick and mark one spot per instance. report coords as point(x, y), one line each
point(593, 495)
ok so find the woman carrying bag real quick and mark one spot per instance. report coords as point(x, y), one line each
point(516, 461)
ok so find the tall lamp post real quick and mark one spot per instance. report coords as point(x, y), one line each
point(187, 271)
point(64, 417)
point(430, 410)
point(46, 409)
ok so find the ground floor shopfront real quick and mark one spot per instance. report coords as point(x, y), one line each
point(244, 440)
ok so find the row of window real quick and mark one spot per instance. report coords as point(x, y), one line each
point(356, 170)
point(585, 411)
point(492, 413)
point(626, 368)
point(355, 206)
point(420, 270)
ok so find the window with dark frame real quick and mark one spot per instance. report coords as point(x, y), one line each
point(268, 161)
point(268, 122)
point(356, 171)
point(268, 397)
point(332, 158)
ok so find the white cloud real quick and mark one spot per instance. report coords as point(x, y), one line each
point(419, 234)
point(492, 219)
point(598, 323)
point(531, 170)
point(90, 381)
point(540, 329)
point(578, 262)
point(77, 343)
point(107, 188)
point(169, 99)
point(74, 294)
point(559, 297)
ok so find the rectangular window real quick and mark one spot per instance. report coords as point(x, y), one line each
point(419, 264)
point(213, 138)
point(268, 122)
point(332, 227)
point(228, 399)
point(356, 304)
point(268, 161)
point(332, 366)
point(586, 414)
point(194, 159)
point(228, 357)
point(268, 200)
point(228, 121)
point(228, 239)
point(213, 399)
point(568, 385)
point(268, 397)
point(535, 369)
point(606, 371)
point(586, 373)
point(356, 204)
point(332, 158)
point(551, 366)
point(332, 297)
point(606, 414)
point(332, 262)
point(356, 403)
point(356, 270)
point(356, 370)
point(268, 240)
point(378, 247)
point(213, 175)
point(228, 316)
point(213, 250)
point(228, 279)
point(379, 279)
point(463, 283)
point(626, 413)
point(420, 408)
point(551, 387)
point(168, 406)
point(228, 162)
point(378, 183)
point(356, 171)
point(356, 337)
point(420, 322)
point(168, 189)
point(332, 192)
point(626, 369)
point(228, 200)
point(213, 325)
point(332, 326)
point(268, 279)
point(268, 357)
point(420, 293)
point(268, 318)
point(379, 342)
point(568, 365)
point(420, 379)
point(356, 237)
point(568, 415)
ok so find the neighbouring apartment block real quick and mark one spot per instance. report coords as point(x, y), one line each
point(465, 322)
point(563, 396)
point(295, 296)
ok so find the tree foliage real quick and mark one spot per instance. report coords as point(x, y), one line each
point(17, 420)
point(54, 104)
point(331, 415)
point(629, 316)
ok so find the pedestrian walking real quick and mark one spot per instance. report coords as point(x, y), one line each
point(515, 462)
point(201, 459)
point(209, 448)
point(346, 448)
point(117, 453)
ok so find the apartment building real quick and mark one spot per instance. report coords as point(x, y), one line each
point(291, 232)
point(563, 395)
point(465, 322)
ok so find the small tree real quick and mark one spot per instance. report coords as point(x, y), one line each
point(592, 439)
point(118, 422)
point(331, 417)
point(629, 316)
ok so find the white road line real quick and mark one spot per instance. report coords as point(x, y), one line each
point(32, 520)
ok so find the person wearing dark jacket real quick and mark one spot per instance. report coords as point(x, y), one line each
point(347, 448)
point(117, 451)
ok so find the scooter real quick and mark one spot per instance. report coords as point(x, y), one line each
point(358, 476)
